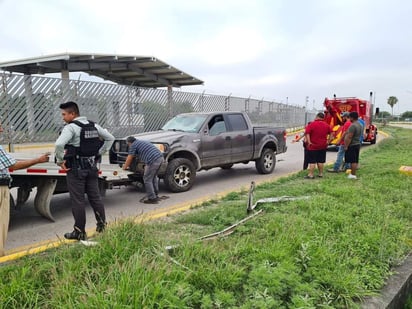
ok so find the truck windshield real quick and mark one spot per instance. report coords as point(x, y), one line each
point(185, 123)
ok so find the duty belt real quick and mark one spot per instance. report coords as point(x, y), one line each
point(86, 162)
point(5, 181)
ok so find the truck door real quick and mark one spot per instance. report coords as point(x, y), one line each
point(241, 137)
point(216, 142)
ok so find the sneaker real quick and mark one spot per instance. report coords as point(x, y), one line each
point(331, 170)
point(100, 227)
point(309, 177)
point(151, 201)
point(350, 176)
point(163, 197)
point(77, 235)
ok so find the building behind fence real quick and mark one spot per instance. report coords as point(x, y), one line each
point(29, 107)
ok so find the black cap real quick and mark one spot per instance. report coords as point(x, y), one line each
point(354, 115)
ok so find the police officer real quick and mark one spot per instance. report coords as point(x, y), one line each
point(6, 162)
point(82, 172)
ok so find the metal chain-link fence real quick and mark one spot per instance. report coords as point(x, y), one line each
point(29, 107)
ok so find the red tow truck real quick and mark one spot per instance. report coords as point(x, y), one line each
point(334, 107)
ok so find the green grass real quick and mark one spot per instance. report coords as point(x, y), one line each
point(328, 251)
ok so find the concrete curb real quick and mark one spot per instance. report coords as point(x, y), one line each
point(396, 290)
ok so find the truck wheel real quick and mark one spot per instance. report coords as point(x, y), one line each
point(373, 141)
point(23, 194)
point(180, 175)
point(267, 161)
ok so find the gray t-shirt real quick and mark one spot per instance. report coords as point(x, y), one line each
point(356, 129)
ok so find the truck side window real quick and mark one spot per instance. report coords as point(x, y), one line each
point(237, 122)
point(217, 125)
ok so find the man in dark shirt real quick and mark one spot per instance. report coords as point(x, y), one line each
point(153, 159)
point(317, 135)
point(353, 143)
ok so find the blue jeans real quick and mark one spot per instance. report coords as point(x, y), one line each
point(339, 159)
point(150, 179)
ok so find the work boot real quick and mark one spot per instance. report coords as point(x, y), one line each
point(100, 227)
point(77, 234)
point(151, 201)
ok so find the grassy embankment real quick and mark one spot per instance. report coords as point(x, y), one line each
point(328, 251)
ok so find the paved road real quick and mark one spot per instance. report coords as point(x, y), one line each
point(27, 228)
point(401, 125)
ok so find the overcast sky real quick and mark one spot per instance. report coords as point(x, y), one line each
point(280, 50)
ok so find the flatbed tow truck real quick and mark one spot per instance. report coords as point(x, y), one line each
point(50, 179)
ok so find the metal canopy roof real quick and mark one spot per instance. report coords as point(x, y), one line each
point(125, 70)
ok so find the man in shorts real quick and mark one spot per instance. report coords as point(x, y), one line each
point(317, 135)
point(353, 143)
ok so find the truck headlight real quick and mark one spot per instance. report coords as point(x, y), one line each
point(116, 146)
point(161, 147)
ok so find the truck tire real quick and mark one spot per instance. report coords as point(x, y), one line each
point(267, 161)
point(180, 175)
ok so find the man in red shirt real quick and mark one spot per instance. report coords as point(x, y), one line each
point(317, 135)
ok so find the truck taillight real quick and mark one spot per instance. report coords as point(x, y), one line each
point(285, 135)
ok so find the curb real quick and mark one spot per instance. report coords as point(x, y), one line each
point(396, 291)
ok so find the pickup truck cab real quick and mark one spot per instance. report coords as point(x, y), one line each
point(192, 142)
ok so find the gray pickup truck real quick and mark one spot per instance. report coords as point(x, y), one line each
point(200, 141)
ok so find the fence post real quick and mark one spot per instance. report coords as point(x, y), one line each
point(227, 103)
point(170, 100)
point(260, 106)
point(202, 101)
point(29, 106)
point(247, 104)
point(306, 110)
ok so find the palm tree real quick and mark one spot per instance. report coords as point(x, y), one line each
point(392, 101)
